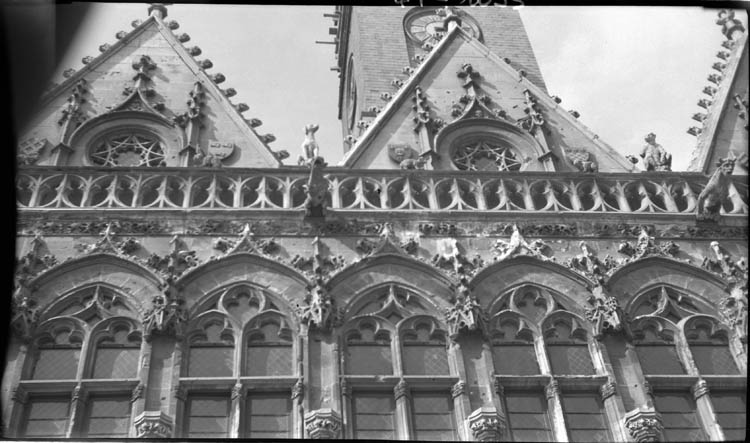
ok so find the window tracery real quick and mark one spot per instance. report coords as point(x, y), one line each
point(485, 155)
point(134, 148)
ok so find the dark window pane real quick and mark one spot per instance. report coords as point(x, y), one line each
point(570, 359)
point(515, 360)
point(433, 416)
point(56, 364)
point(659, 359)
point(210, 361)
point(713, 359)
point(208, 416)
point(730, 413)
point(369, 360)
point(269, 415)
point(269, 360)
point(425, 360)
point(527, 416)
point(584, 419)
point(678, 416)
point(47, 418)
point(373, 415)
point(116, 363)
point(108, 417)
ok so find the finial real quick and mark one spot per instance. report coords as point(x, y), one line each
point(158, 10)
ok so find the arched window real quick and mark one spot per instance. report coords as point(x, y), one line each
point(369, 350)
point(58, 352)
point(424, 348)
point(269, 350)
point(211, 351)
point(567, 347)
point(709, 346)
point(654, 344)
point(513, 350)
point(127, 148)
point(484, 154)
point(117, 352)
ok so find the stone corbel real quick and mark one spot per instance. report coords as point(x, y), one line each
point(323, 424)
point(486, 424)
point(153, 424)
point(644, 424)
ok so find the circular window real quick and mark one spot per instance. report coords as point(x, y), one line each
point(485, 155)
point(425, 25)
point(128, 149)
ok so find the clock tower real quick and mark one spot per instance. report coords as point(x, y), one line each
point(376, 47)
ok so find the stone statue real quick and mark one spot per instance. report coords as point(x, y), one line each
point(655, 157)
point(413, 163)
point(716, 191)
point(310, 148)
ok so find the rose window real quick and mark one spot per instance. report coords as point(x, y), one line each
point(485, 156)
point(128, 150)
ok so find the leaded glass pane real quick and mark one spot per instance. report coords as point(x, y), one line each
point(269, 360)
point(56, 364)
point(713, 359)
point(730, 413)
point(584, 419)
point(678, 417)
point(515, 360)
point(659, 359)
point(210, 361)
point(208, 417)
point(425, 360)
point(373, 416)
point(527, 416)
point(47, 418)
point(116, 363)
point(369, 360)
point(269, 415)
point(108, 417)
point(570, 359)
point(432, 416)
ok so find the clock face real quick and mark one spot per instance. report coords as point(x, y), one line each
point(423, 27)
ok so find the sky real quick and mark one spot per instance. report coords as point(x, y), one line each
point(627, 70)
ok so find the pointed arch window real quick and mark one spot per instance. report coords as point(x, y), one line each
point(709, 345)
point(655, 347)
point(127, 148)
point(58, 353)
point(424, 348)
point(567, 347)
point(211, 351)
point(269, 349)
point(513, 351)
point(369, 350)
point(117, 352)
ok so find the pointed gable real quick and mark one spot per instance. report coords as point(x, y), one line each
point(493, 99)
point(171, 101)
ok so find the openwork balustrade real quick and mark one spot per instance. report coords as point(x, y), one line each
point(368, 190)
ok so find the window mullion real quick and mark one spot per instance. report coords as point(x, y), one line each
point(78, 401)
point(554, 406)
point(403, 411)
point(705, 410)
point(236, 410)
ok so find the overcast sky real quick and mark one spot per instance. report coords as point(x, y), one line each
point(627, 70)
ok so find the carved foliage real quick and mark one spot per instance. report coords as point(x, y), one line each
point(323, 424)
point(605, 314)
point(176, 261)
point(246, 243)
point(455, 262)
point(646, 246)
point(486, 424)
point(588, 263)
point(466, 314)
point(644, 424)
point(108, 244)
point(517, 245)
point(153, 424)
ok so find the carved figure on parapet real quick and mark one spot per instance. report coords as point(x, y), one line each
point(310, 148)
point(517, 245)
point(716, 192)
point(653, 155)
point(203, 160)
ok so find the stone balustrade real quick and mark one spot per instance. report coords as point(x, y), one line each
point(368, 190)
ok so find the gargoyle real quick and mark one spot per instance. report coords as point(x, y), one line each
point(716, 191)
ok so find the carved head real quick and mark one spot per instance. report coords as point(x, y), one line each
point(310, 129)
point(726, 165)
point(650, 137)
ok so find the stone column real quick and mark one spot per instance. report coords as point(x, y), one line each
point(403, 410)
point(614, 409)
point(554, 405)
point(236, 407)
point(706, 410)
point(460, 403)
point(346, 409)
point(20, 399)
point(486, 424)
point(14, 396)
point(644, 424)
point(177, 400)
point(323, 424)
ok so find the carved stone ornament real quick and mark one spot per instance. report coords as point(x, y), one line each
point(654, 156)
point(318, 309)
point(220, 150)
point(552, 389)
point(458, 389)
point(298, 390)
point(137, 392)
point(466, 314)
point(323, 424)
point(455, 262)
point(486, 424)
point(317, 190)
point(608, 389)
point(517, 245)
point(646, 246)
point(398, 152)
point(166, 315)
point(238, 391)
point(153, 424)
point(731, 270)
point(401, 389)
point(29, 150)
point(699, 389)
point(174, 264)
point(108, 244)
point(605, 314)
point(712, 197)
point(733, 308)
point(644, 424)
point(534, 119)
point(588, 263)
point(582, 160)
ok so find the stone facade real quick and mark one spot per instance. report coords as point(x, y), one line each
point(233, 296)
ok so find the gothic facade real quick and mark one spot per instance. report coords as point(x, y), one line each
point(479, 266)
